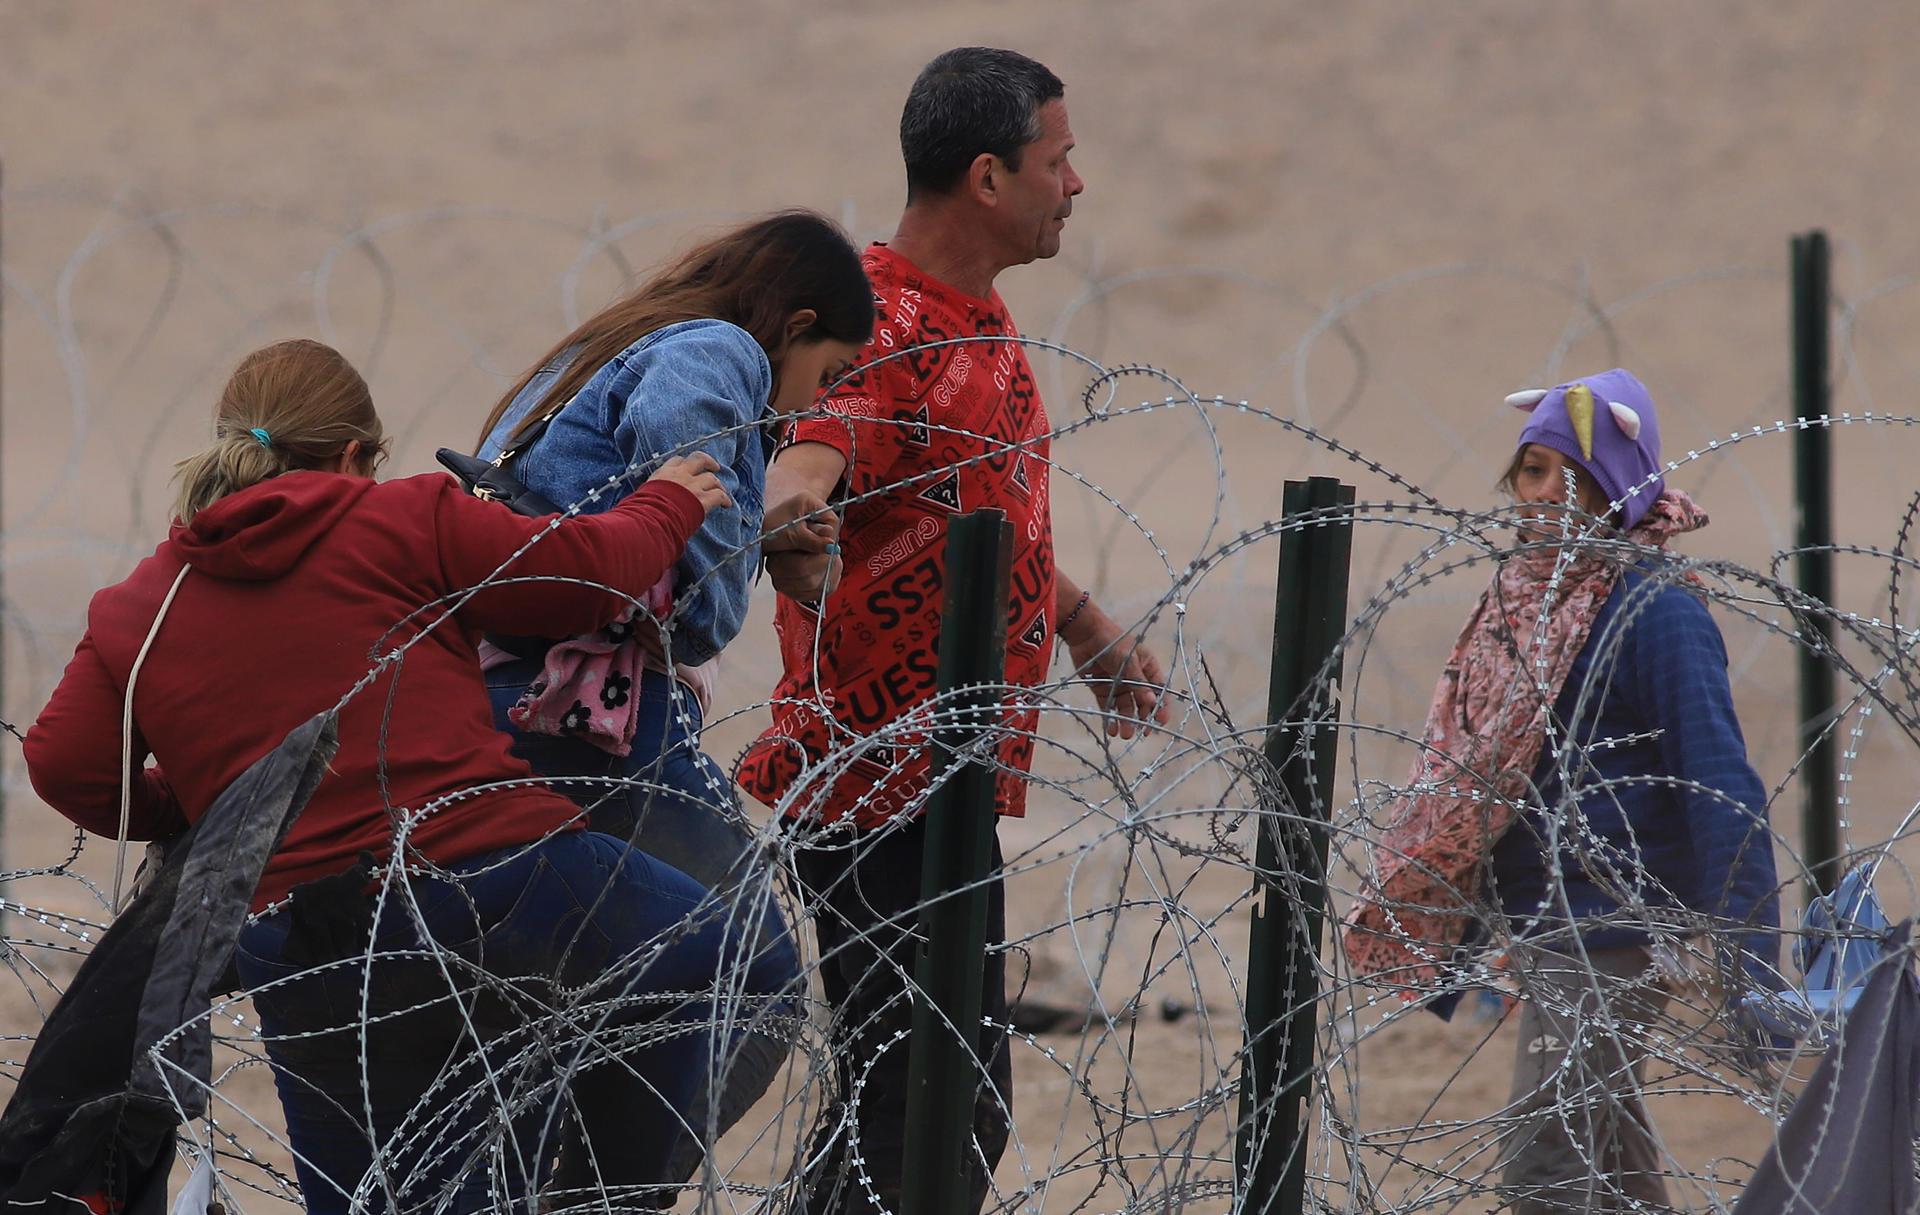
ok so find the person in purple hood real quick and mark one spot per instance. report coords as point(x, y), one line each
point(1583, 789)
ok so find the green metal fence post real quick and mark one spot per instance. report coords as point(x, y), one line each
point(1283, 976)
point(944, 1077)
point(1813, 565)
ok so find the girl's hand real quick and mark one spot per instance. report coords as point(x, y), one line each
point(807, 577)
point(698, 473)
point(801, 524)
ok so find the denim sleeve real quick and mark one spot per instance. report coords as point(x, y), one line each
point(1681, 677)
point(705, 388)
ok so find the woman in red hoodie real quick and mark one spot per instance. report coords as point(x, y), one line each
point(290, 577)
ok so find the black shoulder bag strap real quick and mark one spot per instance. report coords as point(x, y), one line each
point(490, 481)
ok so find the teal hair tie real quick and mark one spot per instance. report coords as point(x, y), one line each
point(261, 436)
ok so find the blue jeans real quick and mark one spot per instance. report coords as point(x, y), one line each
point(465, 1068)
point(665, 796)
point(669, 800)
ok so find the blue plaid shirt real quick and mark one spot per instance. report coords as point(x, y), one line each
point(1661, 807)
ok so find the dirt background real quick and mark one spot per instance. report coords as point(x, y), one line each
point(1375, 218)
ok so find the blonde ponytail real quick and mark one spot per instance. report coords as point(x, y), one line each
point(232, 463)
point(294, 404)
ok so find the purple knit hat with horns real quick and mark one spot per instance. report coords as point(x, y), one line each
point(1606, 424)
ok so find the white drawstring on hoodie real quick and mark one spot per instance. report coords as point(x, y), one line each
point(126, 739)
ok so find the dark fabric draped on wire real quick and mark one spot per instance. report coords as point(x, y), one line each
point(92, 1122)
point(1847, 1144)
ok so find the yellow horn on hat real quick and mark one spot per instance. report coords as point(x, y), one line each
point(1580, 413)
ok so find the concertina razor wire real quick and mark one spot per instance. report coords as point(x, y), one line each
point(1130, 881)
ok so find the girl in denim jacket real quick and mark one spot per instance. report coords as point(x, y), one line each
point(706, 356)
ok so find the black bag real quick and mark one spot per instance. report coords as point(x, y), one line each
point(486, 480)
point(490, 481)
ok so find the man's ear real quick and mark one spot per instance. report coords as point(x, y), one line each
point(983, 178)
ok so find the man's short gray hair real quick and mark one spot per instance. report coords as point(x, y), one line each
point(970, 100)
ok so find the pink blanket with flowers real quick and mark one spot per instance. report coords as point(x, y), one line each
point(1484, 734)
point(588, 686)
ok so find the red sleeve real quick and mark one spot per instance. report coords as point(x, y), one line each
point(628, 549)
point(867, 420)
point(73, 756)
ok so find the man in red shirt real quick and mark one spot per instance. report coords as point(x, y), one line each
point(943, 418)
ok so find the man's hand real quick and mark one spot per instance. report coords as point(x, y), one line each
point(1125, 676)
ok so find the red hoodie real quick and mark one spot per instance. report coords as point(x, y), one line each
point(297, 585)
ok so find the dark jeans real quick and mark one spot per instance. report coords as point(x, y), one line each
point(672, 802)
point(863, 896)
point(419, 1072)
point(666, 795)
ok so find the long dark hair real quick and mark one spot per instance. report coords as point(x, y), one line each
point(755, 276)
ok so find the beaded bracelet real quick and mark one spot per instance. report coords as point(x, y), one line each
point(1086, 597)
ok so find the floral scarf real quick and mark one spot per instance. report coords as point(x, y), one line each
point(588, 686)
point(1483, 737)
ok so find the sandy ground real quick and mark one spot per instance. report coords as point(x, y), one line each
point(1373, 218)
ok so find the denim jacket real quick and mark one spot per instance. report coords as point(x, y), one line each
point(699, 385)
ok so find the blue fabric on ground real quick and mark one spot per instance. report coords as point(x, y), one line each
point(1847, 1144)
